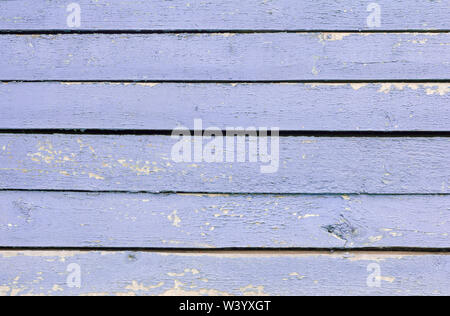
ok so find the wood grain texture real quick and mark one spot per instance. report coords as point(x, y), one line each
point(86, 191)
point(144, 163)
point(228, 15)
point(247, 57)
point(33, 219)
point(163, 106)
point(143, 273)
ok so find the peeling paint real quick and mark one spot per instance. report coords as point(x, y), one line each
point(224, 34)
point(308, 216)
point(135, 286)
point(97, 177)
point(357, 86)
point(430, 89)
point(251, 290)
point(386, 279)
point(388, 87)
point(4, 290)
point(375, 239)
point(203, 195)
point(331, 37)
point(178, 290)
point(57, 288)
point(437, 88)
point(54, 254)
point(173, 217)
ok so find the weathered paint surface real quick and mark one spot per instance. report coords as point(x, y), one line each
point(144, 273)
point(163, 106)
point(144, 163)
point(278, 56)
point(229, 15)
point(52, 219)
point(334, 171)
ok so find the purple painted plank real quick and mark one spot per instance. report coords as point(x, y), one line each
point(193, 274)
point(230, 14)
point(305, 165)
point(163, 106)
point(40, 219)
point(272, 57)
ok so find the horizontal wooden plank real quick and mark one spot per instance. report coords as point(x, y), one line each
point(163, 106)
point(190, 274)
point(304, 165)
point(56, 219)
point(272, 57)
point(231, 14)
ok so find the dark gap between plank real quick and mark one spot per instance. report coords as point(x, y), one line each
point(99, 192)
point(315, 81)
point(283, 133)
point(249, 251)
point(205, 31)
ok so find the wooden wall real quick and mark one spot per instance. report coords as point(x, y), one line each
point(87, 179)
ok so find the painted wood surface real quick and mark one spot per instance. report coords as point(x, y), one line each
point(144, 163)
point(57, 219)
point(270, 57)
point(228, 15)
point(163, 106)
point(143, 273)
point(82, 191)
